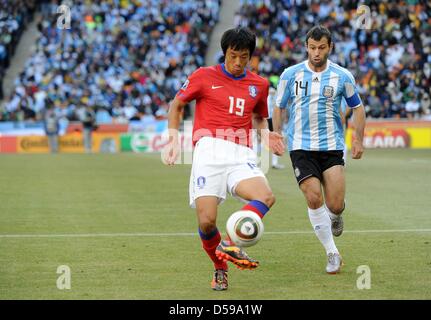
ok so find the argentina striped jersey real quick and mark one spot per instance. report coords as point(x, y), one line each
point(313, 101)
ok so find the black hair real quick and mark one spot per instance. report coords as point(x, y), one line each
point(317, 33)
point(238, 38)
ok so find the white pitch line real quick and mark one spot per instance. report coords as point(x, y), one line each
point(188, 234)
point(355, 231)
point(96, 235)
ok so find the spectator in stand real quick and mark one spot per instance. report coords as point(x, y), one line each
point(425, 102)
point(391, 60)
point(14, 17)
point(138, 53)
point(125, 57)
point(412, 108)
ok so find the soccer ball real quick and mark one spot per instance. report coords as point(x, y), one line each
point(245, 228)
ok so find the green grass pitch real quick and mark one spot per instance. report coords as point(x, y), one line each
point(122, 224)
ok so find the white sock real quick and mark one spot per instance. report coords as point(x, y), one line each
point(331, 215)
point(274, 160)
point(321, 223)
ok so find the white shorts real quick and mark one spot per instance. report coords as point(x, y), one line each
point(218, 167)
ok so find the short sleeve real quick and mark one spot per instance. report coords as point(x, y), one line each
point(283, 91)
point(261, 107)
point(191, 89)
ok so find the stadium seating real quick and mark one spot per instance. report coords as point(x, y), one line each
point(124, 58)
point(128, 58)
point(14, 17)
point(391, 61)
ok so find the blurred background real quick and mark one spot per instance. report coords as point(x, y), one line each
point(98, 76)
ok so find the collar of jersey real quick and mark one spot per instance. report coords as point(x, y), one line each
point(231, 75)
point(328, 62)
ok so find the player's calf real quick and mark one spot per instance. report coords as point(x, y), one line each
point(256, 190)
point(268, 199)
point(210, 241)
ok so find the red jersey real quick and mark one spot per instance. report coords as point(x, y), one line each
point(225, 104)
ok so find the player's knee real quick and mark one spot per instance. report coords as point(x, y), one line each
point(314, 199)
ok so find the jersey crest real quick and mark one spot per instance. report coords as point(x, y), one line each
point(253, 91)
point(328, 91)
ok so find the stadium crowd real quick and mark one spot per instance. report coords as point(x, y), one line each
point(14, 17)
point(125, 59)
point(390, 57)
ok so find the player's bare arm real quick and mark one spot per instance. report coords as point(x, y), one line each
point(277, 119)
point(279, 116)
point(174, 119)
point(273, 140)
point(359, 123)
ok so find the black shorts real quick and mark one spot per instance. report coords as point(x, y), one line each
point(270, 126)
point(313, 163)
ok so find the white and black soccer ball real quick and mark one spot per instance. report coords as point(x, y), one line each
point(245, 228)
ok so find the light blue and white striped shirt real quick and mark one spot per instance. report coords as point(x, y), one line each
point(313, 100)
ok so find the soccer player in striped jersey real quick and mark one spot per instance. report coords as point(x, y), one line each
point(312, 92)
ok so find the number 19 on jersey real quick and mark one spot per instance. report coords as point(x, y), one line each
point(237, 107)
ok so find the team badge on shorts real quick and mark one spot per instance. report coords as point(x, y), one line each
point(201, 182)
point(328, 91)
point(253, 91)
point(297, 172)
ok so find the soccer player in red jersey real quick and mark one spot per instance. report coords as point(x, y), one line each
point(229, 100)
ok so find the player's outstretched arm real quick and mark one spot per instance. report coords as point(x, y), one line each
point(359, 123)
point(277, 119)
point(172, 150)
point(273, 140)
